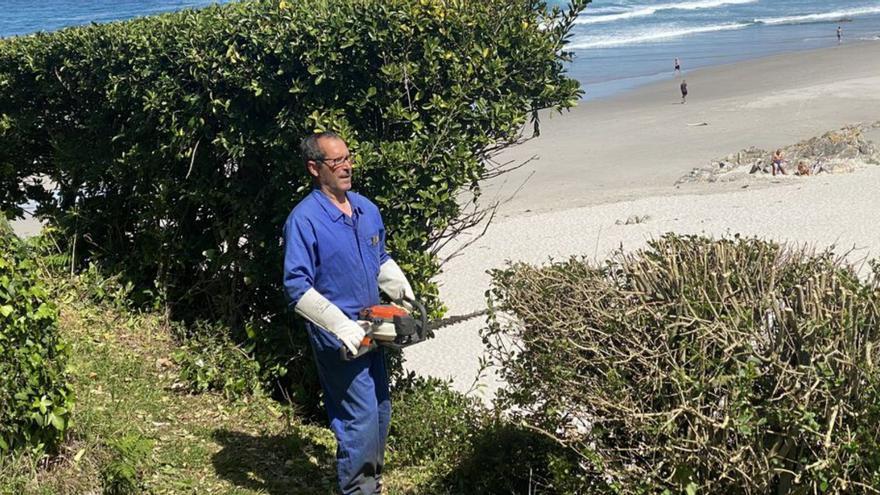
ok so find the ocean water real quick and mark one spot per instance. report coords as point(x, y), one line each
point(621, 44)
point(618, 44)
point(28, 16)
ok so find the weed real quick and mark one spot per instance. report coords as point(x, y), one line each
point(124, 472)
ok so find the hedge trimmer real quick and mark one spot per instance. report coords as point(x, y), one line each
point(390, 325)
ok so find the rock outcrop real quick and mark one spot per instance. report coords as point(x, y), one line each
point(838, 151)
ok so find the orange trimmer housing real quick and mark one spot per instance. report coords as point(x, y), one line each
point(383, 312)
point(391, 325)
point(378, 314)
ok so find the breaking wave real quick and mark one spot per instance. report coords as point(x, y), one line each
point(837, 15)
point(646, 11)
point(647, 36)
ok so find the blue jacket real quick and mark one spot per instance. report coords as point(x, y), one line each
point(337, 255)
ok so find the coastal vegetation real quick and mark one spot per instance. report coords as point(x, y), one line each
point(35, 397)
point(693, 366)
point(697, 366)
point(164, 149)
point(144, 421)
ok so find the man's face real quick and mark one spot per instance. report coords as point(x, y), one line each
point(333, 173)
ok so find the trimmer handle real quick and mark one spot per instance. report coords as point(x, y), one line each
point(424, 330)
point(367, 345)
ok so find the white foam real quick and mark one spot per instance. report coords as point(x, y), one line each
point(648, 36)
point(646, 11)
point(836, 15)
point(611, 9)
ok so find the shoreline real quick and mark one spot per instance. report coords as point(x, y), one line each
point(642, 110)
point(607, 150)
point(621, 87)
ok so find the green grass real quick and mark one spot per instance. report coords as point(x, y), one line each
point(126, 385)
point(137, 428)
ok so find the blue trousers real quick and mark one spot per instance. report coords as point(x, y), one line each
point(358, 404)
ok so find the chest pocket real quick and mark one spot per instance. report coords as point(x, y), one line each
point(370, 242)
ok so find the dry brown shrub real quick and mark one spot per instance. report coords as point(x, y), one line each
point(698, 366)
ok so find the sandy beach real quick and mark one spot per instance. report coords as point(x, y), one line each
point(613, 159)
point(638, 143)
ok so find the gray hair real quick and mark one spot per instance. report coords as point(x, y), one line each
point(309, 149)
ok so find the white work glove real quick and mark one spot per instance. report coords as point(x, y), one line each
point(351, 335)
point(318, 310)
point(393, 282)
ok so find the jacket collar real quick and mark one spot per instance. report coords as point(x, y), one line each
point(332, 211)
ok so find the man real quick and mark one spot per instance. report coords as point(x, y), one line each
point(677, 66)
point(684, 91)
point(334, 265)
point(776, 163)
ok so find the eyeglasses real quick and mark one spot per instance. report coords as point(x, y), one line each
point(335, 163)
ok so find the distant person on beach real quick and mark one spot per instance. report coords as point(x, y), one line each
point(776, 163)
point(684, 91)
point(677, 66)
point(803, 168)
point(839, 34)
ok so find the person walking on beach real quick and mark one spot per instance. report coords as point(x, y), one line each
point(839, 34)
point(684, 91)
point(335, 264)
point(677, 66)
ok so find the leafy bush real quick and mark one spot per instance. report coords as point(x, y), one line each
point(432, 422)
point(124, 471)
point(467, 448)
point(173, 139)
point(35, 399)
point(209, 360)
point(698, 365)
point(507, 458)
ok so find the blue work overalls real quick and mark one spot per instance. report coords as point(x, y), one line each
point(339, 256)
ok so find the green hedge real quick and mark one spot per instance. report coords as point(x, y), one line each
point(458, 446)
point(35, 400)
point(698, 366)
point(173, 139)
point(432, 423)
